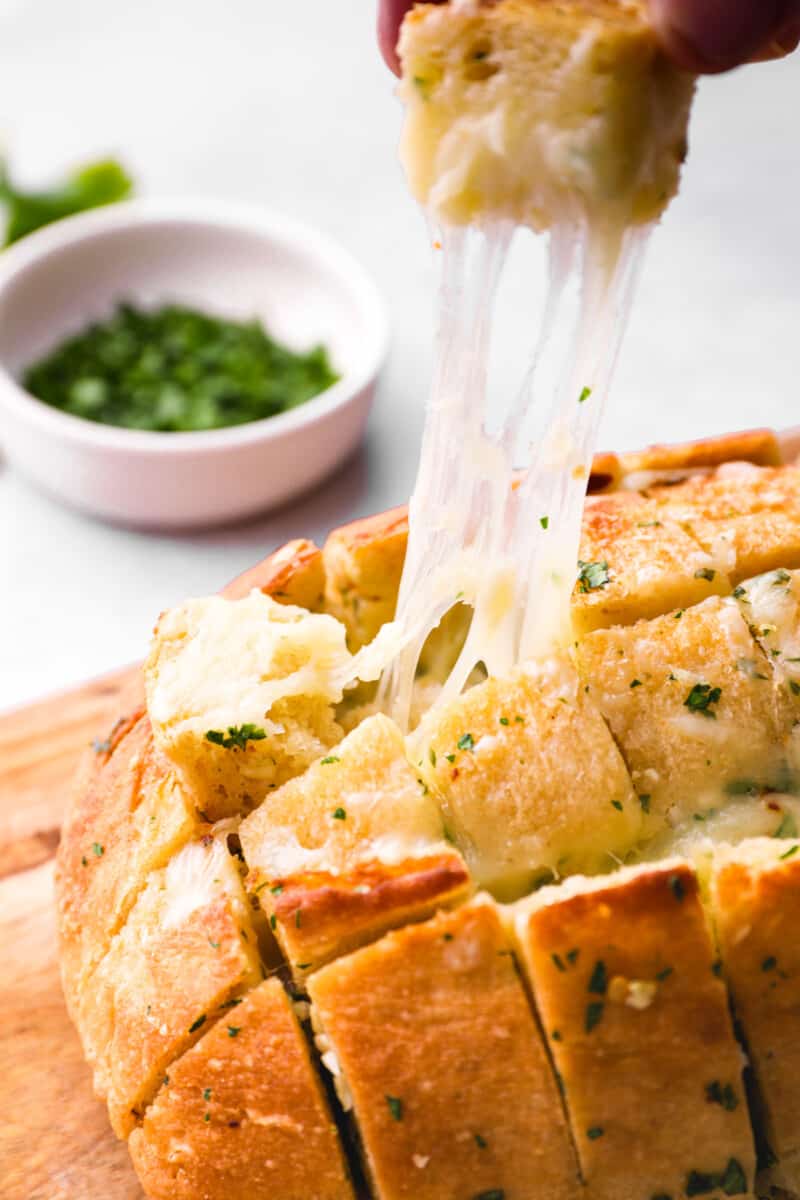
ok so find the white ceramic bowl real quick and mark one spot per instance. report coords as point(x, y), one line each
point(234, 261)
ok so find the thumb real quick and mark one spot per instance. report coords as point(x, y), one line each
point(715, 35)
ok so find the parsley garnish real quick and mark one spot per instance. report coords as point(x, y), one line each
point(769, 963)
point(572, 955)
point(665, 974)
point(432, 756)
point(644, 800)
point(585, 394)
point(273, 922)
point(206, 1093)
point(328, 759)
point(504, 721)
point(234, 1030)
point(732, 1181)
point(700, 699)
point(277, 889)
point(595, 1132)
point(466, 742)
point(705, 573)
point(636, 683)
point(592, 575)
point(790, 852)
point(193, 1028)
point(738, 592)
point(339, 814)
point(557, 961)
point(480, 1142)
point(298, 918)
point(97, 849)
point(677, 888)
point(395, 1107)
point(617, 804)
point(214, 945)
point(598, 982)
point(787, 827)
point(722, 1094)
point(544, 522)
point(594, 1013)
point(237, 736)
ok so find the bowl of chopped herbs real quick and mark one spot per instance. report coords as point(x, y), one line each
point(183, 364)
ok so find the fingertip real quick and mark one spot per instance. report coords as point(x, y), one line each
point(709, 36)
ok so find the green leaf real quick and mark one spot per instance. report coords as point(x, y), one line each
point(90, 186)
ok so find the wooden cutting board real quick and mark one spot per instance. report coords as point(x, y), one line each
point(55, 1140)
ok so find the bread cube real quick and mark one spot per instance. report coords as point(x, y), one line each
point(234, 732)
point(648, 564)
point(756, 899)
point(186, 951)
point(693, 705)
point(622, 970)
point(349, 849)
point(294, 574)
point(243, 1115)
point(746, 517)
point(534, 112)
point(432, 1043)
point(529, 778)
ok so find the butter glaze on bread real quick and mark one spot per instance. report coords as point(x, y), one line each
point(275, 1132)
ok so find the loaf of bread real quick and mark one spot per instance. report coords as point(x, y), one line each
point(284, 970)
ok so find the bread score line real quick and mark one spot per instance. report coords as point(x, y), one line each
point(357, 884)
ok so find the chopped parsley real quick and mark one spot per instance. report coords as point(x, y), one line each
point(598, 982)
point(636, 683)
point(705, 573)
point(738, 592)
point(677, 887)
point(432, 756)
point(544, 522)
point(234, 1030)
point(273, 922)
point(214, 945)
point(339, 814)
point(395, 1107)
point(276, 889)
point(480, 1141)
point(790, 852)
point(585, 394)
point(466, 742)
point(451, 758)
point(556, 1035)
point(504, 721)
point(594, 1014)
point(722, 1094)
point(207, 1117)
point(644, 800)
point(558, 962)
point(595, 1132)
point(794, 687)
point(206, 1093)
point(732, 1181)
point(237, 736)
point(787, 827)
point(198, 1024)
point(328, 759)
point(98, 850)
point(592, 575)
point(664, 974)
point(298, 918)
point(572, 955)
point(174, 369)
point(700, 699)
point(769, 963)
point(617, 804)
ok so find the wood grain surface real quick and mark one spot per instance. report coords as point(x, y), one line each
point(55, 1140)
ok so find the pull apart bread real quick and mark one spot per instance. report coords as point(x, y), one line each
point(544, 946)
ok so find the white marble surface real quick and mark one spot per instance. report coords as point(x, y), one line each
point(288, 105)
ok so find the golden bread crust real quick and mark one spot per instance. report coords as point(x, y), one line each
point(242, 1116)
point(452, 1091)
point(757, 910)
point(639, 1031)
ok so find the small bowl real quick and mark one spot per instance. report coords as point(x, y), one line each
point(229, 260)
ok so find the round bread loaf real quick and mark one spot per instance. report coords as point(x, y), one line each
point(515, 955)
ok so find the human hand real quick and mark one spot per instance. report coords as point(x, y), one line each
point(706, 36)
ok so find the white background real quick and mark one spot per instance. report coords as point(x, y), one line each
point(287, 104)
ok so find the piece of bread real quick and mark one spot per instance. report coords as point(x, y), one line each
point(430, 1036)
point(621, 970)
point(350, 849)
point(746, 517)
point(537, 113)
point(119, 955)
point(756, 900)
point(530, 781)
point(243, 1115)
point(677, 693)
point(186, 950)
point(294, 574)
point(233, 737)
point(647, 564)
